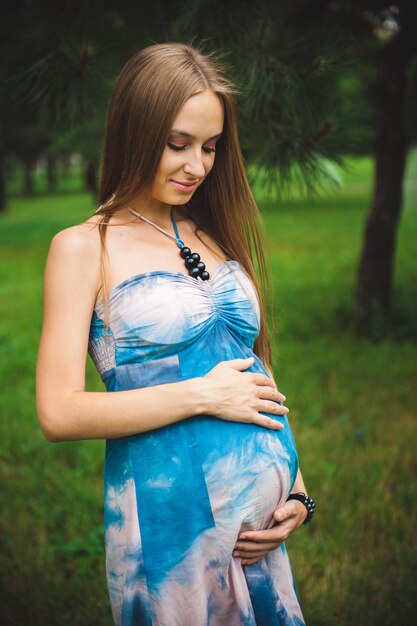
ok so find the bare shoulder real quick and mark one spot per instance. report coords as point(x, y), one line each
point(82, 240)
point(76, 250)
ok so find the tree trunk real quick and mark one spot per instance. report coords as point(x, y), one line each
point(375, 277)
point(91, 177)
point(51, 173)
point(28, 165)
point(2, 176)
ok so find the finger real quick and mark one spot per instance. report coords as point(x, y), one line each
point(289, 509)
point(281, 514)
point(262, 380)
point(268, 406)
point(246, 557)
point(262, 536)
point(240, 364)
point(253, 558)
point(267, 422)
point(270, 393)
point(250, 561)
point(250, 549)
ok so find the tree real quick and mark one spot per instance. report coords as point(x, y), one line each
point(392, 79)
point(60, 63)
point(27, 136)
point(291, 55)
point(290, 59)
point(287, 63)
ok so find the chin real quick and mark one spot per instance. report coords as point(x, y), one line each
point(179, 201)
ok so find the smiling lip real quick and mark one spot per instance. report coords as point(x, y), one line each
point(187, 187)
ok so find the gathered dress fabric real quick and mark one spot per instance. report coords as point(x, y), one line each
point(177, 497)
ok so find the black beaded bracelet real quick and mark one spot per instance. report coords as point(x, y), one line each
point(309, 503)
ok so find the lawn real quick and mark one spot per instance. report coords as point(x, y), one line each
point(352, 406)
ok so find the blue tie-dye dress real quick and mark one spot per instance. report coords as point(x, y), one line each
point(177, 497)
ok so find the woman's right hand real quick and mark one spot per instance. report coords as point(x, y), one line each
point(239, 396)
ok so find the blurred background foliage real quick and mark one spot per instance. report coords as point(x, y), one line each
point(317, 81)
point(328, 121)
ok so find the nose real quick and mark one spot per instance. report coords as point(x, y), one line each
point(194, 165)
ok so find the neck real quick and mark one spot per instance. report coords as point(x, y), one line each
point(158, 218)
point(160, 215)
point(175, 237)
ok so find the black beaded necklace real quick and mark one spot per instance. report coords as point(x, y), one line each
point(195, 266)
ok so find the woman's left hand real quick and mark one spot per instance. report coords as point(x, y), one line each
point(252, 545)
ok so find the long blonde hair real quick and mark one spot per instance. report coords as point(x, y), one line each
point(152, 88)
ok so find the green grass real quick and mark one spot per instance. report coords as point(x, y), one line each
point(352, 406)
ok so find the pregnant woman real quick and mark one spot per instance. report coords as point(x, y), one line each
point(202, 484)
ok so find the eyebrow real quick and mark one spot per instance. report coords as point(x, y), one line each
point(189, 136)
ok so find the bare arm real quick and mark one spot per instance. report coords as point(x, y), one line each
point(299, 486)
point(67, 412)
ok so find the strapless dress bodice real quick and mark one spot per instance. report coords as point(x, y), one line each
point(160, 313)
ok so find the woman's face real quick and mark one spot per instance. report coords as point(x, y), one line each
point(190, 152)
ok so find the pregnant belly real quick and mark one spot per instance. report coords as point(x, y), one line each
point(248, 474)
point(184, 492)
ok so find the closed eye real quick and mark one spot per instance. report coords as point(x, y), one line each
point(178, 148)
point(173, 146)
